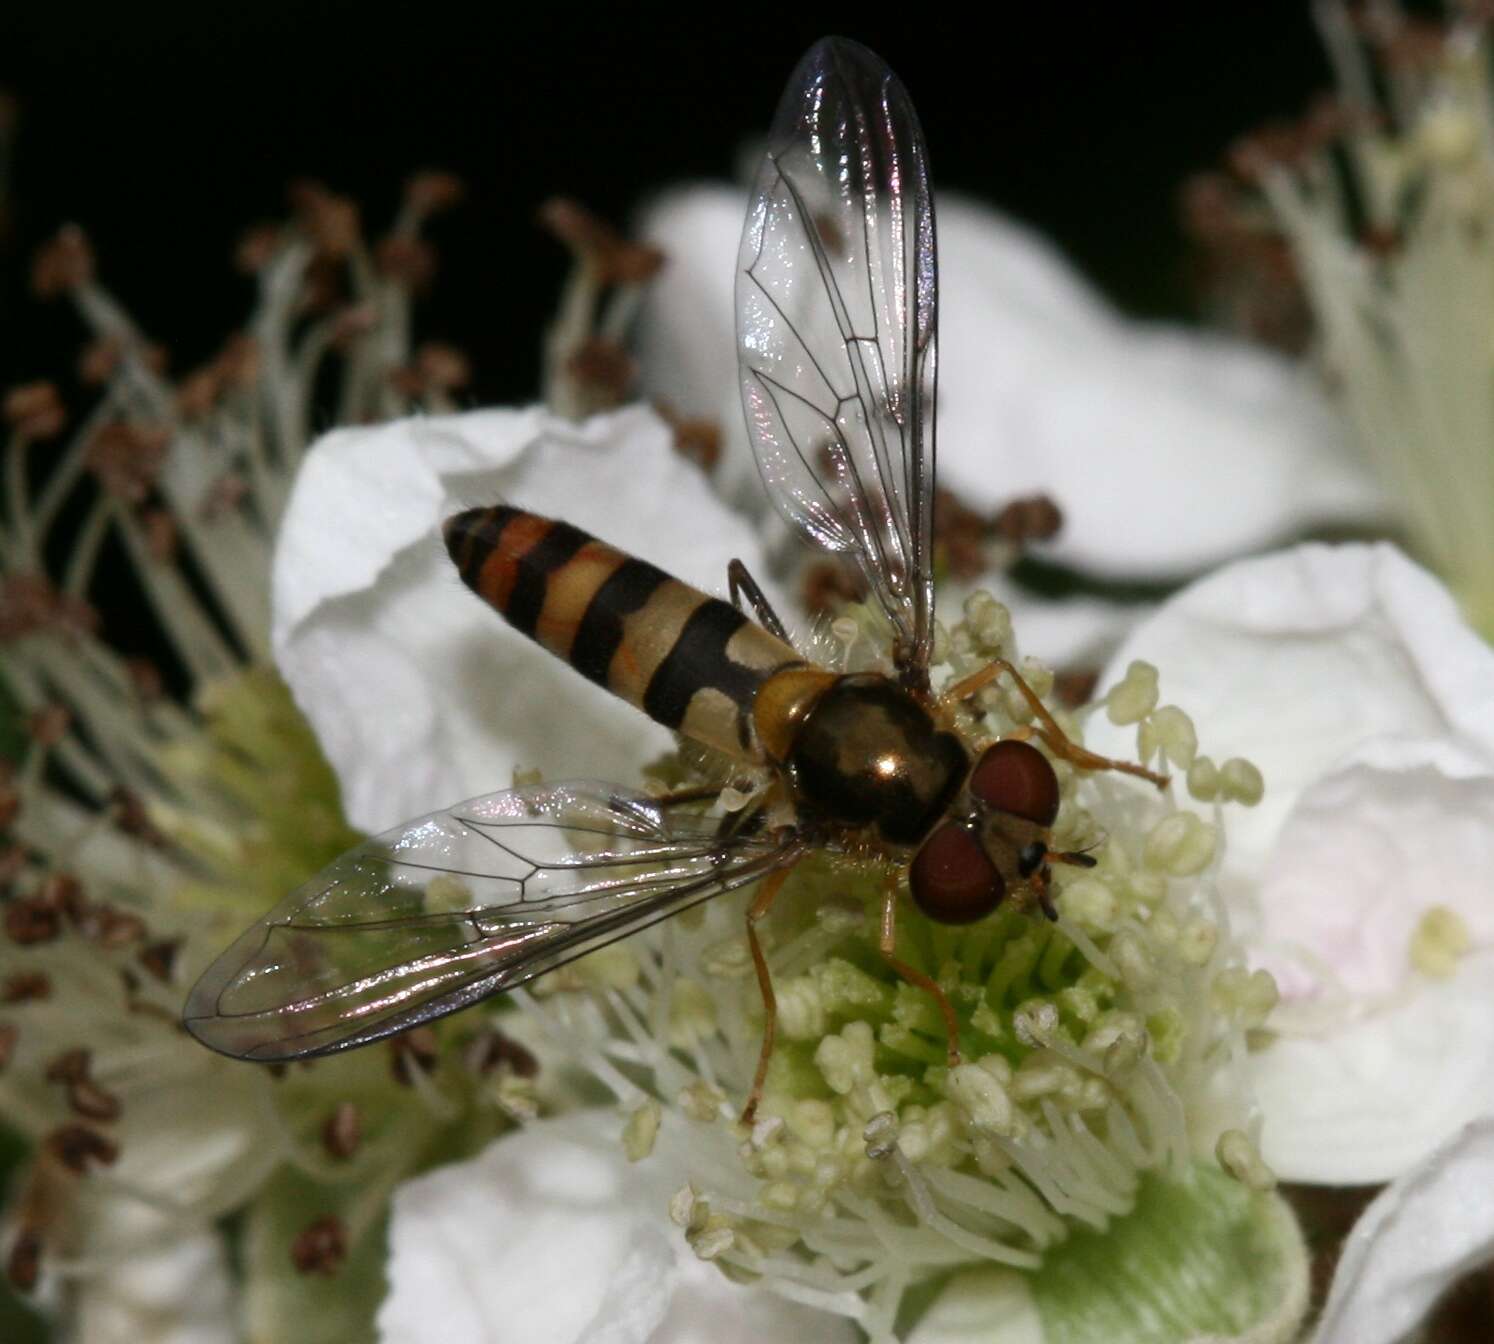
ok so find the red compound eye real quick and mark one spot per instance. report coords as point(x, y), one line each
point(1016, 777)
point(952, 880)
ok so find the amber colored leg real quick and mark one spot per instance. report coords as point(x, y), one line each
point(965, 687)
point(761, 904)
point(912, 976)
point(1047, 727)
point(700, 794)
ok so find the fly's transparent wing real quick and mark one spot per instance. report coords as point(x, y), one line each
point(837, 306)
point(444, 911)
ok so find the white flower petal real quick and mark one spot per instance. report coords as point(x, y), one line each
point(1359, 1103)
point(686, 335)
point(190, 1145)
point(523, 1243)
point(420, 695)
point(1347, 676)
point(1141, 433)
point(1303, 660)
point(551, 1237)
point(178, 1293)
point(1419, 1236)
point(1387, 844)
point(708, 1309)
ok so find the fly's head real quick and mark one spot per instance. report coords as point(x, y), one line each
point(993, 840)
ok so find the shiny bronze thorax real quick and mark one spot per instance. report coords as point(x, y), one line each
point(867, 753)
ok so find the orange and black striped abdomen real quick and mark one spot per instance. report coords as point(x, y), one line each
point(689, 661)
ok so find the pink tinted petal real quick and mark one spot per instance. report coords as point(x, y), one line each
point(1360, 860)
point(1301, 661)
point(1346, 674)
point(1360, 1100)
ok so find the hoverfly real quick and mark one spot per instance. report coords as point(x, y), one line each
point(836, 324)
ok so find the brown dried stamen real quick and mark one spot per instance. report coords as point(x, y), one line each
point(492, 1050)
point(433, 190)
point(29, 603)
point(127, 458)
point(1029, 519)
point(415, 1049)
point(78, 1148)
point(321, 1247)
point(29, 921)
point(64, 264)
point(160, 958)
point(603, 366)
point(23, 1264)
point(613, 259)
point(827, 586)
point(26, 987)
point(330, 220)
point(131, 816)
point(34, 410)
point(48, 724)
point(84, 1095)
point(698, 439)
point(343, 1132)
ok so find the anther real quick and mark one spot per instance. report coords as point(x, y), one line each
point(23, 1264)
point(65, 263)
point(34, 410)
point(412, 1050)
point(79, 1148)
point(25, 987)
point(492, 1050)
point(343, 1132)
point(641, 1130)
point(321, 1247)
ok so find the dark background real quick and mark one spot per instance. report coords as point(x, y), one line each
point(164, 129)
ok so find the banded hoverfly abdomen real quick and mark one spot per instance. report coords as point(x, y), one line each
point(690, 661)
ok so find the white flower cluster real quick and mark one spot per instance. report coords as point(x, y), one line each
point(1344, 673)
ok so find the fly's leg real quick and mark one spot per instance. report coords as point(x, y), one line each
point(741, 583)
point(910, 974)
point(1047, 727)
point(731, 821)
point(761, 904)
point(703, 793)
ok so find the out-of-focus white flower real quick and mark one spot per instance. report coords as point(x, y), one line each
point(1362, 879)
point(1167, 450)
point(420, 696)
point(150, 816)
point(1385, 199)
point(180, 1293)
